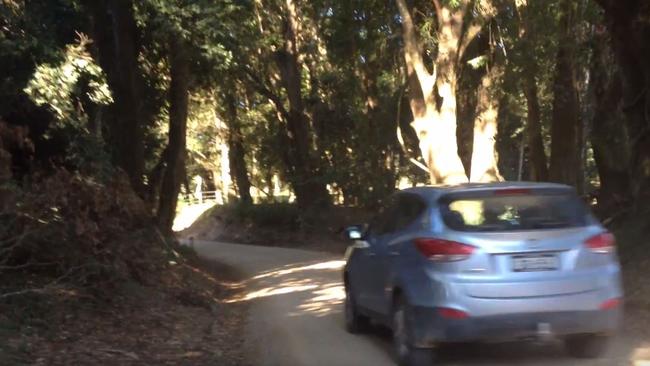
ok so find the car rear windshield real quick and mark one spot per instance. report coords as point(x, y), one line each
point(504, 212)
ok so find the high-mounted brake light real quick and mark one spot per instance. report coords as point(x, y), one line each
point(603, 243)
point(440, 250)
point(511, 191)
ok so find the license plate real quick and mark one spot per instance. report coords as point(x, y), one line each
point(532, 263)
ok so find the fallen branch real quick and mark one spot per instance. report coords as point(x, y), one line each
point(23, 292)
point(26, 265)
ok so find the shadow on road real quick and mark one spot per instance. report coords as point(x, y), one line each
point(517, 353)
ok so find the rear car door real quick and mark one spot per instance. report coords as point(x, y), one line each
point(381, 266)
point(367, 258)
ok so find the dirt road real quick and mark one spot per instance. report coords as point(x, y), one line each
point(296, 318)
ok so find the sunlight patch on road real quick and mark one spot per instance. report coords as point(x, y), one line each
point(283, 289)
point(330, 265)
point(314, 290)
point(326, 300)
point(641, 356)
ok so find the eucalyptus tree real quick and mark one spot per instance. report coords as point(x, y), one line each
point(433, 74)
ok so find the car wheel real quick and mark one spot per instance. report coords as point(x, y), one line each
point(405, 353)
point(354, 322)
point(587, 345)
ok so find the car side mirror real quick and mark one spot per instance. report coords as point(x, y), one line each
point(354, 232)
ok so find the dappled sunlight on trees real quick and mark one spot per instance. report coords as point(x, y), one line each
point(299, 117)
point(286, 107)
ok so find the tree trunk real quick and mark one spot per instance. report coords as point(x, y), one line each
point(627, 21)
point(536, 154)
point(129, 136)
point(102, 35)
point(236, 155)
point(565, 161)
point(154, 184)
point(435, 123)
point(484, 166)
point(176, 148)
point(304, 174)
point(466, 113)
point(379, 149)
point(224, 165)
point(116, 37)
point(609, 138)
point(538, 165)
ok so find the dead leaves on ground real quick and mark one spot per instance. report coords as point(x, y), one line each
point(146, 326)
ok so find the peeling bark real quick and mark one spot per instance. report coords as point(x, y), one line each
point(435, 125)
point(484, 155)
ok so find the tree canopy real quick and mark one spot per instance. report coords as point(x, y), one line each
point(329, 102)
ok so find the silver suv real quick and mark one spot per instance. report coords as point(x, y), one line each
point(484, 262)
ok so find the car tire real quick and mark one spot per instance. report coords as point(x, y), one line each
point(587, 345)
point(355, 323)
point(405, 353)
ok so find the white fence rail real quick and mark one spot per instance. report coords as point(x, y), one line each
point(201, 197)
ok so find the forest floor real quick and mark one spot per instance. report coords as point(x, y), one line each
point(181, 321)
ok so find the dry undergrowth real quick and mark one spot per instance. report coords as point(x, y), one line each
point(87, 279)
point(181, 321)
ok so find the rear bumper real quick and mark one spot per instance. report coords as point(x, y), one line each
point(428, 328)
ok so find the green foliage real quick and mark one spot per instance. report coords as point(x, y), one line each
point(67, 88)
point(32, 33)
point(57, 86)
point(284, 215)
point(205, 25)
point(352, 91)
point(88, 154)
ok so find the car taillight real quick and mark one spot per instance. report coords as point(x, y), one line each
point(610, 304)
point(450, 313)
point(603, 243)
point(443, 250)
